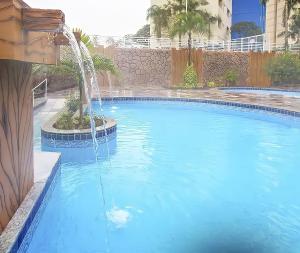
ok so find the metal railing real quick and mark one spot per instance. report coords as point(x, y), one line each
point(258, 43)
point(37, 93)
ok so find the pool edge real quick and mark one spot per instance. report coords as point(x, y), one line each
point(14, 235)
point(207, 101)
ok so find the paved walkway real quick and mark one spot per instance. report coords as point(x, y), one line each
point(278, 101)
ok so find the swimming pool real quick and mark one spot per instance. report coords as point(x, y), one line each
point(289, 93)
point(182, 177)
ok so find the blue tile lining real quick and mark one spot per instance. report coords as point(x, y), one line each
point(24, 232)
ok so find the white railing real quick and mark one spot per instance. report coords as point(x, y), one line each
point(37, 99)
point(256, 43)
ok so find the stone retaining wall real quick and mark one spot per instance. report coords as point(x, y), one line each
point(153, 68)
point(216, 64)
point(143, 67)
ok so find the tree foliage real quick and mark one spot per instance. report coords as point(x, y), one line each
point(143, 32)
point(284, 68)
point(188, 23)
point(245, 29)
point(163, 16)
point(160, 17)
point(70, 67)
point(294, 28)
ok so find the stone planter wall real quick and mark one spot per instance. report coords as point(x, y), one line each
point(53, 137)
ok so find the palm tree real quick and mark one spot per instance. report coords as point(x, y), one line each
point(294, 31)
point(69, 66)
point(188, 23)
point(294, 28)
point(211, 20)
point(160, 17)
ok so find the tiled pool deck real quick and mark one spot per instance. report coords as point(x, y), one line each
point(278, 101)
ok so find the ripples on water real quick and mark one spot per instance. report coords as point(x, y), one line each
point(185, 178)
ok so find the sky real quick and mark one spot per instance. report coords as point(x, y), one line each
point(102, 17)
point(120, 17)
point(246, 10)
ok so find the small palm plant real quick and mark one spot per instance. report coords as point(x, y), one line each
point(68, 66)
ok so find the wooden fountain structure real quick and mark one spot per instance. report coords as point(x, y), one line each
point(27, 36)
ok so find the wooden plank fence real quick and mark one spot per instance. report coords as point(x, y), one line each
point(256, 69)
point(179, 63)
point(257, 76)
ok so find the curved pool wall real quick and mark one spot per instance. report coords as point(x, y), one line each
point(266, 91)
point(239, 199)
point(57, 138)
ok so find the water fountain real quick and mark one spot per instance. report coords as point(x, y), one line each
point(36, 39)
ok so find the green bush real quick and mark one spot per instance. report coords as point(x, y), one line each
point(231, 77)
point(72, 104)
point(214, 85)
point(284, 68)
point(211, 85)
point(65, 121)
point(190, 77)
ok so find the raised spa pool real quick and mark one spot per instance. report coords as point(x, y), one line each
point(288, 93)
point(181, 178)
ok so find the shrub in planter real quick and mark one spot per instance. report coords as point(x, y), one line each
point(86, 122)
point(284, 68)
point(190, 77)
point(231, 77)
point(72, 104)
point(65, 121)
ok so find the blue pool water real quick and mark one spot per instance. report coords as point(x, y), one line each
point(265, 92)
point(182, 178)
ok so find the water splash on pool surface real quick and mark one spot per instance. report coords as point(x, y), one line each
point(119, 217)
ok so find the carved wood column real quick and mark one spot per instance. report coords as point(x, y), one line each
point(16, 136)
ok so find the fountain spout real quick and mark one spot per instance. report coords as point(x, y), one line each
point(40, 20)
point(61, 40)
point(27, 34)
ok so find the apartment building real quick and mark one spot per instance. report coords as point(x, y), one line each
point(274, 22)
point(220, 30)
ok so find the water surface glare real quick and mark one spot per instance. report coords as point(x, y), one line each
point(184, 178)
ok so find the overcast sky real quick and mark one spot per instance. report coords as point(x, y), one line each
point(103, 17)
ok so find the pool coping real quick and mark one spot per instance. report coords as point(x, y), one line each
point(258, 88)
point(252, 106)
point(16, 230)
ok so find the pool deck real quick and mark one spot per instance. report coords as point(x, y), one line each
point(272, 100)
point(43, 163)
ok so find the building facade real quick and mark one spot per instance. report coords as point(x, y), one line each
point(220, 30)
point(274, 22)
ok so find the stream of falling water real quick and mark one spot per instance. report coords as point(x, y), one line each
point(88, 90)
point(95, 87)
